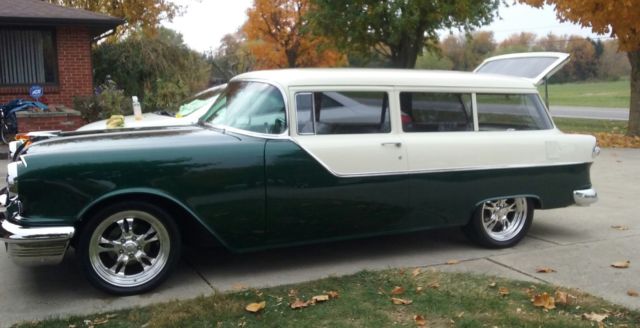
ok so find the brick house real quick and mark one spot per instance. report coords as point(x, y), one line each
point(48, 45)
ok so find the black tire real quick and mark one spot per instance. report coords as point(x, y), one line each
point(144, 262)
point(7, 136)
point(478, 231)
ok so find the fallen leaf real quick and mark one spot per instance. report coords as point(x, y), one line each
point(620, 227)
point(621, 264)
point(320, 298)
point(434, 285)
point(111, 316)
point(544, 300)
point(100, 321)
point(72, 326)
point(298, 304)
point(416, 272)
point(633, 293)
point(503, 291)
point(461, 314)
point(529, 291)
point(451, 262)
point(419, 289)
point(238, 287)
point(420, 320)
point(594, 317)
point(333, 294)
point(397, 290)
point(400, 301)
point(493, 284)
point(256, 307)
point(545, 270)
point(518, 310)
point(293, 293)
point(561, 297)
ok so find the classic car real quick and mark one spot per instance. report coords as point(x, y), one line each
point(288, 157)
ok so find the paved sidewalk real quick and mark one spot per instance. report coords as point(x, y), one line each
point(577, 242)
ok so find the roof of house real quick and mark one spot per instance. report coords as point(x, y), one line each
point(42, 13)
point(387, 77)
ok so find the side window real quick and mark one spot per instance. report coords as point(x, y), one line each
point(499, 112)
point(343, 112)
point(431, 112)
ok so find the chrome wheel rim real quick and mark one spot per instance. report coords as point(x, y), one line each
point(503, 219)
point(129, 248)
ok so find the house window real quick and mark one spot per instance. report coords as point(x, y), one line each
point(27, 56)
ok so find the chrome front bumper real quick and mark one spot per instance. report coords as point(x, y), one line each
point(585, 197)
point(35, 246)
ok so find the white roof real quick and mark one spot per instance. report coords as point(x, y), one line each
point(385, 77)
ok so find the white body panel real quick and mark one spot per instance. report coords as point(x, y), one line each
point(398, 152)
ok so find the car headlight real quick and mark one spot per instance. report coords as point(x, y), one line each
point(12, 176)
point(13, 148)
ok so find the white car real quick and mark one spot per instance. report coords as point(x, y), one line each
point(189, 113)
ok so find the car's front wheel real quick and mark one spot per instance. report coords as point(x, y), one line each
point(129, 248)
point(500, 223)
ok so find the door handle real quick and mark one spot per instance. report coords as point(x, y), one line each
point(397, 144)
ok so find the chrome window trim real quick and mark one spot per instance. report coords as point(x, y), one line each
point(283, 135)
point(313, 113)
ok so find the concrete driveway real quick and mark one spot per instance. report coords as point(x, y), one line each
point(600, 113)
point(577, 242)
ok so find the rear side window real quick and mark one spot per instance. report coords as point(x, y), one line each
point(340, 112)
point(432, 112)
point(499, 112)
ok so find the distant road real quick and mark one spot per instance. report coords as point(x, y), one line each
point(618, 114)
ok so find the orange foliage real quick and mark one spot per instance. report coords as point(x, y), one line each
point(618, 18)
point(278, 37)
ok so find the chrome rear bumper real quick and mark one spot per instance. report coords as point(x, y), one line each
point(585, 197)
point(35, 246)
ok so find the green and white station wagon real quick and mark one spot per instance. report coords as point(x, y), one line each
point(289, 157)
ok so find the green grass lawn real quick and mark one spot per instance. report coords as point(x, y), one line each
point(581, 125)
point(592, 94)
point(365, 300)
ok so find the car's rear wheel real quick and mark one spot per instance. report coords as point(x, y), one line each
point(500, 223)
point(129, 248)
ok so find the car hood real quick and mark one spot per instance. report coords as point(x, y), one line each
point(148, 119)
point(135, 140)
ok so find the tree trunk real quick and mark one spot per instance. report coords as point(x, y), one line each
point(634, 108)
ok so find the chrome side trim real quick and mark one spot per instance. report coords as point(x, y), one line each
point(436, 170)
point(585, 197)
point(35, 246)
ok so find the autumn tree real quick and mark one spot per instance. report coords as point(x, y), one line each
point(584, 60)
point(144, 15)
point(159, 69)
point(616, 18)
point(278, 36)
point(466, 51)
point(397, 30)
point(232, 57)
point(517, 42)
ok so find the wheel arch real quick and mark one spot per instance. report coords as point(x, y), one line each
point(537, 201)
point(188, 222)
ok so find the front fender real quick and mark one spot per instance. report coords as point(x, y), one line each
point(146, 193)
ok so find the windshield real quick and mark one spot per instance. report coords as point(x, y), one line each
point(251, 106)
point(202, 99)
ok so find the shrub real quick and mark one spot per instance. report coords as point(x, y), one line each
point(108, 100)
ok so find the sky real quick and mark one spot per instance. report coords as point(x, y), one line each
point(205, 22)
